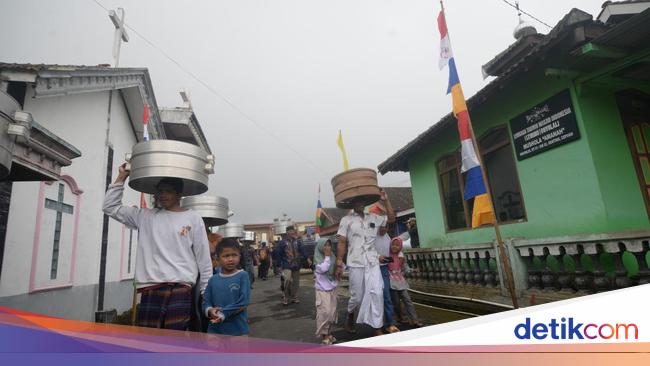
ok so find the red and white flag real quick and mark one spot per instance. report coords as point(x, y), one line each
point(145, 122)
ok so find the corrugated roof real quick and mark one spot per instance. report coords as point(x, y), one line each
point(401, 198)
point(631, 34)
point(333, 215)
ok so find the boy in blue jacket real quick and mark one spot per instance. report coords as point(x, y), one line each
point(228, 293)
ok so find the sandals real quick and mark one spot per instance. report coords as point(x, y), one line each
point(392, 329)
point(328, 340)
point(417, 324)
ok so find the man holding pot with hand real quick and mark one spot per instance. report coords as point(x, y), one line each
point(357, 234)
point(172, 250)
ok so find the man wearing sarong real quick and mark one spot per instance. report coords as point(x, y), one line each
point(357, 233)
point(172, 252)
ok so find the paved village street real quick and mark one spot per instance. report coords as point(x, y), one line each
point(296, 322)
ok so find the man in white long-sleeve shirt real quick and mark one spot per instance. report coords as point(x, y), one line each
point(172, 249)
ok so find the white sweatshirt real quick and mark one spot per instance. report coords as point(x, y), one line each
point(172, 246)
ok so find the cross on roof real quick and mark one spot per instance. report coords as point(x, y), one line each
point(120, 33)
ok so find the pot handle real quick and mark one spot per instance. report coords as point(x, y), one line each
point(127, 158)
point(209, 167)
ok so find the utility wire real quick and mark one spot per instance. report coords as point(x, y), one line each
point(530, 15)
point(217, 94)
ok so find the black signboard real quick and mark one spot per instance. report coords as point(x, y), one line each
point(549, 124)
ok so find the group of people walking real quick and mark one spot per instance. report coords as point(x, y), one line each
point(175, 256)
point(374, 268)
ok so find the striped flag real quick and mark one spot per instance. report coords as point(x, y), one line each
point(145, 137)
point(474, 183)
point(145, 122)
point(319, 209)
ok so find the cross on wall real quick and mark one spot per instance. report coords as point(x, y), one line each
point(60, 209)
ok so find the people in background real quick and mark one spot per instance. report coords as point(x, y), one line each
point(291, 253)
point(382, 244)
point(264, 258)
point(248, 260)
point(399, 287)
point(325, 285)
point(412, 226)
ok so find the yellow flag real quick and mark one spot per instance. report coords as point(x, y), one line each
point(339, 141)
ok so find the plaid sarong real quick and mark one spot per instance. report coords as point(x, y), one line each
point(165, 306)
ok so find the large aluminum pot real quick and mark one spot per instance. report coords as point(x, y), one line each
point(249, 236)
point(8, 106)
point(280, 226)
point(213, 209)
point(153, 160)
point(355, 184)
point(232, 230)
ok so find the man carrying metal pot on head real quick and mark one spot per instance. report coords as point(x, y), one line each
point(357, 234)
point(172, 250)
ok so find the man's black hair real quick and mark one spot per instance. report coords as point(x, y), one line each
point(175, 183)
point(227, 243)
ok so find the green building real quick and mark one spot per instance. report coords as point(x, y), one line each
point(564, 133)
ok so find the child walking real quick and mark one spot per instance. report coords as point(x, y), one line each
point(325, 284)
point(398, 285)
point(228, 293)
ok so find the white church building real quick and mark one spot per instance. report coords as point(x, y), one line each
point(59, 255)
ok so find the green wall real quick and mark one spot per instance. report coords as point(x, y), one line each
point(584, 186)
point(617, 177)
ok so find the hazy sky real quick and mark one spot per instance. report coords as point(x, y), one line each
point(301, 69)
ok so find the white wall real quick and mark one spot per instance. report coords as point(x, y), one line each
point(122, 139)
point(16, 264)
point(80, 120)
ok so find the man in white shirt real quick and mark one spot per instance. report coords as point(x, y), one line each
point(172, 250)
point(357, 233)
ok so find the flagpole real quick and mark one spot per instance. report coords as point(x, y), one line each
point(505, 261)
point(510, 283)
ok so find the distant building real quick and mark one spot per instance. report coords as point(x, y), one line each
point(264, 232)
point(330, 220)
